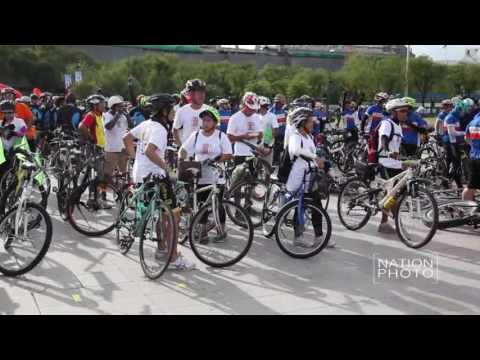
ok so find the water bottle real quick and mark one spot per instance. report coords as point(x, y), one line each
point(389, 203)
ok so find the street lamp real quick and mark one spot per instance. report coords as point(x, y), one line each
point(130, 88)
point(407, 64)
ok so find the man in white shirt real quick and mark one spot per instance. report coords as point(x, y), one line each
point(245, 125)
point(187, 120)
point(116, 126)
point(269, 127)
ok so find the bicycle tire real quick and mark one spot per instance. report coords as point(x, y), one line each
point(75, 201)
point(48, 221)
point(456, 222)
point(150, 274)
point(124, 245)
point(7, 203)
point(249, 231)
point(433, 226)
point(341, 195)
point(308, 204)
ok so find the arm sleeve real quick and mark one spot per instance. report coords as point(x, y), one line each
point(137, 131)
point(231, 127)
point(88, 120)
point(295, 148)
point(177, 122)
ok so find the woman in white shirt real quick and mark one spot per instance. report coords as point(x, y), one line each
point(302, 151)
point(208, 143)
point(150, 159)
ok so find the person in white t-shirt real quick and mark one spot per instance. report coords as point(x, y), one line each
point(245, 125)
point(150, 159)
point(269, 127)
point(116, 126)
point(390, 138)
point(187, 119)
point(208, 143)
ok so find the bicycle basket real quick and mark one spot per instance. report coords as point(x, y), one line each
point(365, 171)
point(185, 173)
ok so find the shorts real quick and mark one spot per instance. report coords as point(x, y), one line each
point(474, 167)
point(388, 173)
point(115, 159)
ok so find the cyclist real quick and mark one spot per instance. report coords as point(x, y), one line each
point(186, 120)
point(13, 130)
point(142, 111)
point(278, 109)
point(116, 126)
point(302, 151)
point(412, 128)
point(245, 125)
point(472, 136)
point(453, 137)
point(68, 115)
point(9, 94)
point(225, 113)
point(445, 108)
point(149, 159)
point(23, 111)
point(374, 114)
point(208, 143)
point(348, 116)
point(269, 127)
point(92, 125)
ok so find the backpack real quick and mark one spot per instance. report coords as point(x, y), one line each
point(373, 141)
point(285, 165)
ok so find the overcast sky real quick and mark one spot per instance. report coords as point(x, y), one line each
point(437, 52)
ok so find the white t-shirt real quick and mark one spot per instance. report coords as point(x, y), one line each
point(393, 145)
point(288, 131)
point(300, 166)
point(148, 132)
point(187, 120)
point(19, 125)
point(114, 136)
point(207, 148)
point(240, 124)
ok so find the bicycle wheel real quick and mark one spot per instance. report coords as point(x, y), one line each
point(221, 247)
point(314, 238)
point(92, 208)
point(354, 204)
point(410, 217)
point(11, 196)
point(21, 252)
point(250, 196)
point(7, 178)
point(157, 241)
point(272, 205)
point(125, 225)
point(453, 214)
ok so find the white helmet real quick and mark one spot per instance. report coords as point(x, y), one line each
point(396, 104)
point(250, 100)
point(264, 101)
point(381, 96)
point(421, 110)
point(299, 115)
point(222, 102)
point(114, 100)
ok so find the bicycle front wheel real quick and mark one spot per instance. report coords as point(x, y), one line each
point(158, 241)
point(410, 224)
point(354, 204)
point(22, 250)
point(223, 244)
point(302, 233)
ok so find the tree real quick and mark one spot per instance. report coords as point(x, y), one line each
point(424, 74)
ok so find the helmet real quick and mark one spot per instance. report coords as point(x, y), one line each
point(299, 115)
point(222, 102)
point(93, 99)
point(195, 84)
point(160, 102)
point(114, 100)
point(299, 103)
point(45, 94)
point(250, 100)
point(212, 112)
point(7, 105)
point(411, 101)
point(468, 104)
point(8, 90)
point(381, 96)
point(24, 100)
point(264, 101)
point(396, 104)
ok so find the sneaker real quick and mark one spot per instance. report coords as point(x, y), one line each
point(181, 263)
point(386, 228)
point(221, 237)
point(300, 241)
point(331, 243)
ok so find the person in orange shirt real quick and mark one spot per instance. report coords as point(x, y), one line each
point(23, 111)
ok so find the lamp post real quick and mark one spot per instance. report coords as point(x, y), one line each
point(130, 88)
point(407, 64)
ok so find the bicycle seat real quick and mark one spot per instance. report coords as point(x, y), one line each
point(193, 171)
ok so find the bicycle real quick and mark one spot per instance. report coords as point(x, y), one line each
point(21, 226)
point(364, 196)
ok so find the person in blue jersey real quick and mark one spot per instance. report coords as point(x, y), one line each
point(445, 107)
point(453, 138)
point(374, 114)
point(142, 111)
point(348, 115)
point(412, 128)
point(225, 113)
point(278, 109)
point(472, 136)
point(35, 107)
point(320, 118)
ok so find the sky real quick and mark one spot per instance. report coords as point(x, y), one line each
point(437, 52)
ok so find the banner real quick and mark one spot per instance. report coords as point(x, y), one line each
point(78, 76)
point(68, 81)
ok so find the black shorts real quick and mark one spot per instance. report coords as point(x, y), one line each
point(474, 167)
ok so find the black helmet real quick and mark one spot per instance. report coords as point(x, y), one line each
point(34, 97)
point(195, 84)
point(7, 105)
point(160, 102)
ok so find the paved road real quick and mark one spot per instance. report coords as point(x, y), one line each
point(88, 276)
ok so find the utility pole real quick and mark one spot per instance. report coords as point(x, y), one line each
point(406, 70)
